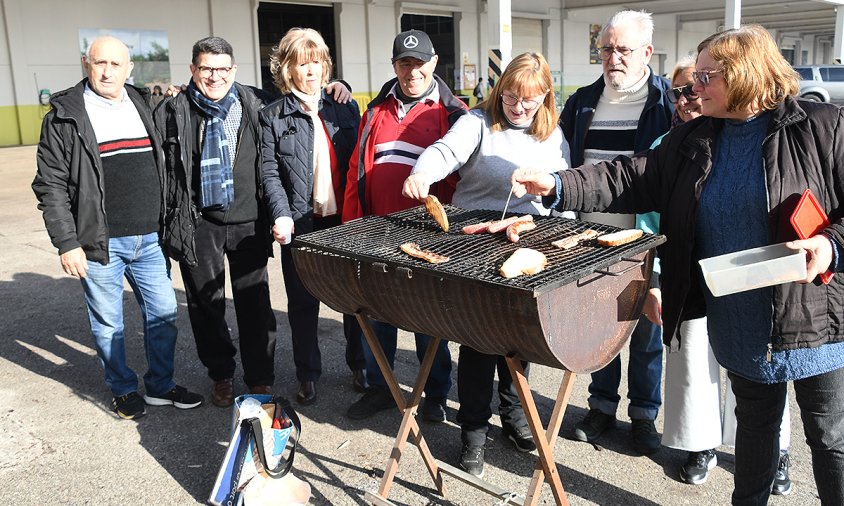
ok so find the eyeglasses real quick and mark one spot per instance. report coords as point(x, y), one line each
point(705, 76)
point(223, 72)
point(527, 104)
point(682, 91)
point(606, 52)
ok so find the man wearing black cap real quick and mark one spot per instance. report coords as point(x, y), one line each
point(410, 113)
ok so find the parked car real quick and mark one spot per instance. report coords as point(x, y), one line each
point(822, 83)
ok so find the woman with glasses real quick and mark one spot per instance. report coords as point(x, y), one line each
point(515, 127)
point(694, 420)
point(308, 137)
point(726, 182)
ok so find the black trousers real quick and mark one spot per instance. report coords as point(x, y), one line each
point(303, 315)
point(205, 287)
point(759, 413)
point(475, 378)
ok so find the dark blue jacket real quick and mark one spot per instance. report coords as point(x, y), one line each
point(287, 172)
point(580, 107)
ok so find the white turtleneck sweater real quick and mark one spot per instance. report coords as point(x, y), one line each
point(612, 133)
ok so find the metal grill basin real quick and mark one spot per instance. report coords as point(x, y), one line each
point(576, 314)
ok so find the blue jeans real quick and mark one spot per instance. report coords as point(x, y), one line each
point(759, 412)
point(439, 380)
point(644, 376)
point(141, 260)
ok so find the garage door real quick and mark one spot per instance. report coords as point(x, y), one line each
point(527, 35)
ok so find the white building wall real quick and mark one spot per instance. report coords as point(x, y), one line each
point(7, 87)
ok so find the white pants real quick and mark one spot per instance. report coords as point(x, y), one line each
point(693, 420)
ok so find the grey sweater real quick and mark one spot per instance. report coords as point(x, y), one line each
point(486, 161)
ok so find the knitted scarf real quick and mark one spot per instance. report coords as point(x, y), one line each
point(216, 175)
point(325, 202)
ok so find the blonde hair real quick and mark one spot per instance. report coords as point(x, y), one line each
point(755, 71)
point(297, 46)
point(528, 75)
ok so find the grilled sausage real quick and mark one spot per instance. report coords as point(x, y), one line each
point(477, 228)
point(501, 225)
point(517, 228)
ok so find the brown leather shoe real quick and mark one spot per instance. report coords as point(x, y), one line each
point(307, 393)
point(261, 390)
point(222, 393)
point(359, 382)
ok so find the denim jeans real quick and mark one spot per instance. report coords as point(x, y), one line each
point(439, 379)
point(758, 413)
point(141, 260)
point(644, 376)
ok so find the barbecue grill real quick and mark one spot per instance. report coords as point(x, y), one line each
point(575, 315)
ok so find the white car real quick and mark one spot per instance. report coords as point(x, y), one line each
point(822, 83)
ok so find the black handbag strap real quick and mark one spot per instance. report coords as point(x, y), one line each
point(284, 464)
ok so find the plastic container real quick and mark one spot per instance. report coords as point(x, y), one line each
point(753, 268)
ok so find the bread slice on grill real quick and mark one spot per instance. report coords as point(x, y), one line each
point(437, 211)
point(620, 237)
point(523, 261)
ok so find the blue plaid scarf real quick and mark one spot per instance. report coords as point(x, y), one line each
point(216, 175)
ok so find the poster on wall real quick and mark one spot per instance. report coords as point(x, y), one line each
point(594, 34)
point(469, 75)
point(149, 49)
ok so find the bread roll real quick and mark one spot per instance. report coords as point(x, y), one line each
point(523, 261)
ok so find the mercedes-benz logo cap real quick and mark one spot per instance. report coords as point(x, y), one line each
point(413, 44)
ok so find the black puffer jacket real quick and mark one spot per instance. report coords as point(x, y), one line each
point(288, 144)
point(172, 119)
point(68, 183)
point(804, 148)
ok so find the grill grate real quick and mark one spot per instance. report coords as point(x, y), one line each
point(473, 258)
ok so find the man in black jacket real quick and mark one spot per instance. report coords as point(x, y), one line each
point(212, 151)
point(99, 135)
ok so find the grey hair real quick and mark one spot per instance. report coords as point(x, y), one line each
point(685, 62)
point(642, 18)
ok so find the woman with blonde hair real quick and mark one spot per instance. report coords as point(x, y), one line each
point(515, 127)
point(725, 182)
point(308, 138)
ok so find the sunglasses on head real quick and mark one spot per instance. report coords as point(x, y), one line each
point(682, 91)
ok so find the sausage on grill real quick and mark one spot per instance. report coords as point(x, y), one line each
point(517, 228)
point(477, 228)
point(501, 225)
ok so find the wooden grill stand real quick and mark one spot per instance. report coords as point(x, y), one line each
point(545, 469)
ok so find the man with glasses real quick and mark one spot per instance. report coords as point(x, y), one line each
point(212, 146)
point(411, 112)
point(212, 151)
point(100, 185)
point(621, 113)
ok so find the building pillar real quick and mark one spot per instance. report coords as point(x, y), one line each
point(500, 38)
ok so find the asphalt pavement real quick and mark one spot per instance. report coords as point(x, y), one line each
point(61, 444)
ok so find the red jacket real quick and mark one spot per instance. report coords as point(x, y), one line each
point(358, 201)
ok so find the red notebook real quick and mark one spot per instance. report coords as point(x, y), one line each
point(808, 219)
